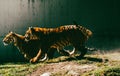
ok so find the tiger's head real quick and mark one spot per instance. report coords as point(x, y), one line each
point(8, 38)
point(31, 34)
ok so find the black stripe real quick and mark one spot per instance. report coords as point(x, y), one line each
point(59, 44)
point(63, 43)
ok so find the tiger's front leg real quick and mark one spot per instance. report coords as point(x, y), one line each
point(51, 52)
point(35, 59)
point(26, 56)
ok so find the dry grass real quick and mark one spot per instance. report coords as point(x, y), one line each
point(17, 69)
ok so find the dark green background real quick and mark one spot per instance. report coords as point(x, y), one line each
point(101, 16)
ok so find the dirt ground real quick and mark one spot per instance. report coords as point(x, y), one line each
point(76, 67)
point(71, 68)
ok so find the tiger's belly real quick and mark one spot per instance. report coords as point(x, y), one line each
point(61, 44)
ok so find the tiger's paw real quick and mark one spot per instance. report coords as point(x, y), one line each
point(72, 55)
point(33, 60)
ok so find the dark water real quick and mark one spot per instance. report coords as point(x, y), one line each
point(101, 16)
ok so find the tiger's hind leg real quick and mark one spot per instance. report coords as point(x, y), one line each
point(63, 52)
point(82, 51)
point(70, 51)
point(52, 50)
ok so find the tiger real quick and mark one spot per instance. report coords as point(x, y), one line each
point(52, 39)
point(31, 50)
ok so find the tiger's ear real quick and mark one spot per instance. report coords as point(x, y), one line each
point(10, 32)
point(32, 29)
